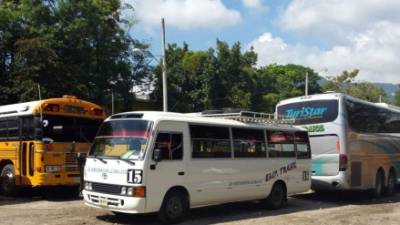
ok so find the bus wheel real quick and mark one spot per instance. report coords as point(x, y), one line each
point(379, 184)
point(277, 197)
point(174, 208)
point(391, 184)
point(8, 186)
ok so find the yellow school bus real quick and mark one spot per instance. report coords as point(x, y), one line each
point(40, 140)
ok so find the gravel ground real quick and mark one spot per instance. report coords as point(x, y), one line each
point(309, 208)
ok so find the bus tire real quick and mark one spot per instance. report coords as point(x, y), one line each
point(277, 197)
point(74, 191)
point(8, 186)
point(379, 184)
point(174, 208)
point(391, 184)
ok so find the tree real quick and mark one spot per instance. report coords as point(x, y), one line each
point(342, 82)
point(226, 77)
point(199, 80)
point(346, 83)
point(285, 81)
point(232, 83)
point(397, 97)
point(69, 46)
point(366, 91)
point(185, 69)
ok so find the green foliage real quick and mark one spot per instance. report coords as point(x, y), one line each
point(217, 78)
point(68, 47)
point(82, 48)
point(226, 77)
point(366, 91)
point(342, 82)
point(345, 83)
point(286, 81)
point(397, 97)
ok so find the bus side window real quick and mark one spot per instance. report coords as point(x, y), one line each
point(3, 130)
point(210, 142)
point(248, 143)
point(302, 145)
point(27, 132)
point(170, 145)
point(13, 128)
point(280, 144)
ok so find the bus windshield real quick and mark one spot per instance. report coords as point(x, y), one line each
point(67, 129)
point(125, 139)
point(310, 112)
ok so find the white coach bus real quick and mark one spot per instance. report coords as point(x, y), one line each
point(143, 162)
point(355, 143)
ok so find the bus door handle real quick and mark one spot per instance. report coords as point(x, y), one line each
point(181, 173)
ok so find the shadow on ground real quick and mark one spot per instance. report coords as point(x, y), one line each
point(26, 195)
point(255, 209)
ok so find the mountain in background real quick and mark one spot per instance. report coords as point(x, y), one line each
point(389, 88)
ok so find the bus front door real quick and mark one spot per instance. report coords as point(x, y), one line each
point(170, 170)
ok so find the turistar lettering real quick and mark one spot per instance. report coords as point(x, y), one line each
point(306, 112)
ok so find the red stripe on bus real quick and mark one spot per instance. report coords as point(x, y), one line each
point(129, 133)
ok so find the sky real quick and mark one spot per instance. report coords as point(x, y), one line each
point(329, 36)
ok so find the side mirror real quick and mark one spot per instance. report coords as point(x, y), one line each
point(81, 156)
point(157, 155)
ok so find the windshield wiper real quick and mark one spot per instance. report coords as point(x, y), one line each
point(127, 160)
point(100, 159)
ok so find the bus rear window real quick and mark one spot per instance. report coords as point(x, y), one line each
point(310, 112)
point(65, 128)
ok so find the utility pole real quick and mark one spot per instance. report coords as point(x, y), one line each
point(40, 105)
point(306, 86)
point(164, 68)
point(112, 102)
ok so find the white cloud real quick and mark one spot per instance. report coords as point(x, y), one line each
point(253, 4)
point(185, 14)
point(375, 51)
point(362, 34)
point(336, 19)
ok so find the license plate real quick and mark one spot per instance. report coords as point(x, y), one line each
point(103, 202)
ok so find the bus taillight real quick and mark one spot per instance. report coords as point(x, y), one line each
point(69, 96)
point(338, 145)
point(342, 162)
point(96, 112)
point(51, 107)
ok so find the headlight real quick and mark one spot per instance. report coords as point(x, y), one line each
point(123, 190)
point(52, 169)
point(139, 192)
point(88, 186)
point(129, 191)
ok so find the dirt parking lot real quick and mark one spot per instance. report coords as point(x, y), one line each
point(309, 208)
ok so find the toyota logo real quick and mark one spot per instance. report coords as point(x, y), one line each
point(104, 176)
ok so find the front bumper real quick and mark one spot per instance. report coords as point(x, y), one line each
point(115, 202)
point(52, 179)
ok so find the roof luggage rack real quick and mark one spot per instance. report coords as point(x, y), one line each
point(253, 117)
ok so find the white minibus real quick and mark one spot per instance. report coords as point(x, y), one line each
point(355, 143)
point(142, 162)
